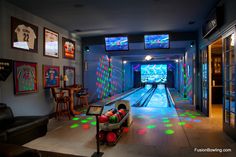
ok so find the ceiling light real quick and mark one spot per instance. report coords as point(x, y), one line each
point(191, 44)
point(86, 49)
point(148, 58)
point(176, 60)
point(124, 62)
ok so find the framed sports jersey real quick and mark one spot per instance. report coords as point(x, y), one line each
point(68, 48)
point(25, 77)
point(51, 46)
point(70, 73)
point(51, 76)
point(24, 35)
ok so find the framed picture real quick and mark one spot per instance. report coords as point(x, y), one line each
point(51, 76)
point(51, 43)
point(24, 35)
point(68, 48)
point(25, 77)
point(69, 76)
point(5, 68)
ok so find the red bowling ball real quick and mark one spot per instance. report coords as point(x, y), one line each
point(111, 137)
point(103, 119)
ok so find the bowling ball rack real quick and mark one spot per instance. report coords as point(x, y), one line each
point(117, 128)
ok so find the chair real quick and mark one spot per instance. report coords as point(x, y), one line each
point(82, 96)
point(62, 100)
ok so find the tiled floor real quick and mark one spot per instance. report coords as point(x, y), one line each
point(154, 132)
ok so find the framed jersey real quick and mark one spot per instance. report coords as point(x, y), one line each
point(51, 43)
point(68, 48)
point(24, 35)
point(70, 73)
point(25, 77)
point(51, 76)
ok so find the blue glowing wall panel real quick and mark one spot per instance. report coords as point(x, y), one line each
point(116, 43)
point(156, 41)
point(154, 73)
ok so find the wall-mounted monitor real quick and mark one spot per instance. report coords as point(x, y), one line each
point(117, 43)
point(154, 73)
point(158, 41)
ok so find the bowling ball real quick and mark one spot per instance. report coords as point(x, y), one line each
point(103, 119)
point(102, 135)
point(118, 116)
point(123, 112)
point(111, 137)
point(109, 113)
point(113, 119)
point(114, 110)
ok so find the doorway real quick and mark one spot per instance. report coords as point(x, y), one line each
point(216, 80)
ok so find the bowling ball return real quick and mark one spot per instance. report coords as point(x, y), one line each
point(110, 132)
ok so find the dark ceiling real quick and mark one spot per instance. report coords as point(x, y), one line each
point(102, 17)
point(94, 17)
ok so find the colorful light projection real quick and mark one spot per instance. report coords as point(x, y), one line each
point(185, 80)
point(169, 132)
point(151, 126)
point(105, 85)
point(136, 67)
point(74, 126)
point(103, 76)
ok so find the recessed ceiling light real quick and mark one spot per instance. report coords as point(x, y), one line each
point(124, 62)
point(148, 58)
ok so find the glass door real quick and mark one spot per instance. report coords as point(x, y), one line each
point(205, 81)
point(229, 85)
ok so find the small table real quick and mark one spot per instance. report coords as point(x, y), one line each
point(72, 90)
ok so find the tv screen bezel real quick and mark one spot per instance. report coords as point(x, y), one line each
point(116, 37)
point(156, 48)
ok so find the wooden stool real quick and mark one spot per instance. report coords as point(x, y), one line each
point(84, 99)
point(62, 103)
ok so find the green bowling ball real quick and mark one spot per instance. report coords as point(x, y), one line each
point(113, 119)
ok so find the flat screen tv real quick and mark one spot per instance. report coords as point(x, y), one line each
point(117, 43)
point(159, 41)
point(154, 73)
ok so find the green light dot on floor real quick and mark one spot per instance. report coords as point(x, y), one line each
point(168, 125)
point(182, 115)
point(151, 126)
point(169, 132)
point(89, 118)
point(83, 121)
point(165, 121)
point(192, 116)
point(181, 123)
point(75, 118)
point(93, 123)
point(74, 126)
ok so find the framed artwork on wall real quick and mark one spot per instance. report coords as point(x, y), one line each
point(68, 48)
point(51, 76)
point(25, 77)
point(24, 35)
point(51, 43)
point(69, 76)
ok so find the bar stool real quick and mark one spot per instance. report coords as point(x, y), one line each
point(62, 103)
point(84, 99)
